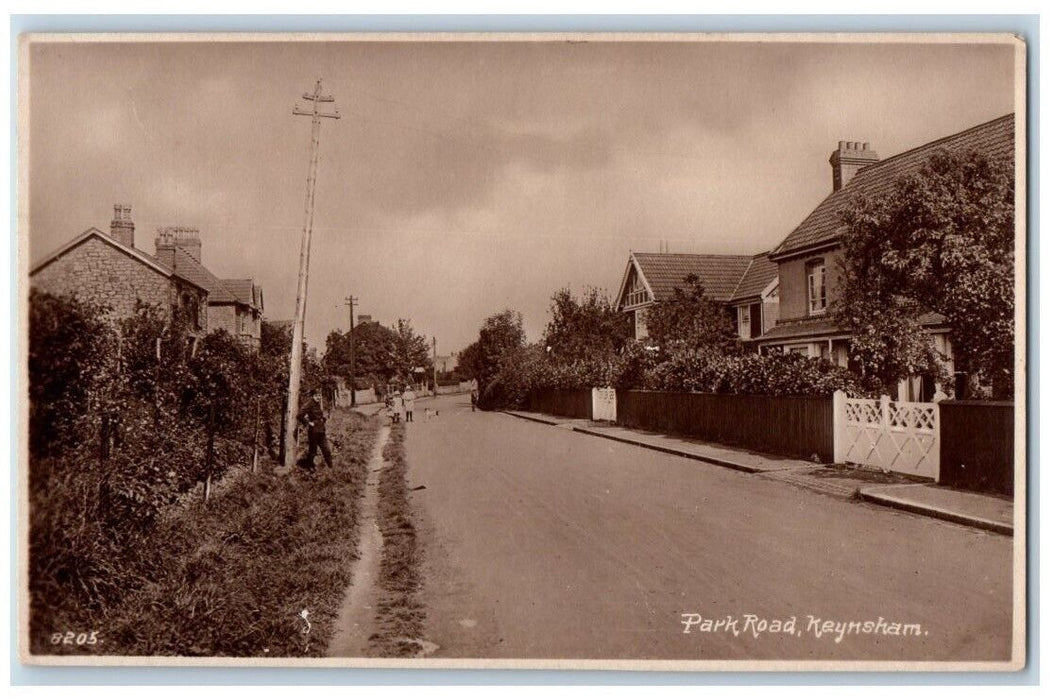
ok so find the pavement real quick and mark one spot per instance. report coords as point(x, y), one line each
point(985, 511)
point(547, 543)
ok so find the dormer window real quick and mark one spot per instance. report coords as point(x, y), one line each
point(816, 287)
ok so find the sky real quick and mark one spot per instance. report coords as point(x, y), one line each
point(468, 177)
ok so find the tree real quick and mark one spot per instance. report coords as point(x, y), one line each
point(411, 350)
point(374, 350)
point(691, 320)
point(500, 335)
point(590, 327)
point(470, 365)
point(940, 241)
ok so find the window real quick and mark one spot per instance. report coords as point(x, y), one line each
point(191, 309)
point(744, 321)
point(636, 292)
point(641, 330)
point(816, 288)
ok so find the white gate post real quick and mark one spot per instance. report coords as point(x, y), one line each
point(838, 420)
point(603, 404)
point(937, 439)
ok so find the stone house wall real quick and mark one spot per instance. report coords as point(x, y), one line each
point(98, 273)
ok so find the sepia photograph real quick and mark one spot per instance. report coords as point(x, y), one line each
point(675, 352)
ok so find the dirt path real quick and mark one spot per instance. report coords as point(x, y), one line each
point(356, 618)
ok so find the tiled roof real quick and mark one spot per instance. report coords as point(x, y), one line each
point(994, 139)
point(243, 290)
point(804, 328)
point(826, 326)
point(760, 272)
point(720, 274)
point(186, 266)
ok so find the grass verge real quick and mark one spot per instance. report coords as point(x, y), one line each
point(233, 577)
point(399, 615)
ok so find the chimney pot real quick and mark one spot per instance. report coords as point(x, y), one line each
point(184, 237)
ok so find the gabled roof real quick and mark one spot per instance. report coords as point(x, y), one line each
point(823, 226)
point(245, 291)
point(719, 274)
point(144, 258)
point(760, 272)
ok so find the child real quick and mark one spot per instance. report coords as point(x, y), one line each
point(409, 398)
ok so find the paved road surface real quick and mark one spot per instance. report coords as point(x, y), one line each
point(543, 543)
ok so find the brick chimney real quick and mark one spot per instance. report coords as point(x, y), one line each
point(850, 157)
point(170, 237)
point(122, 228)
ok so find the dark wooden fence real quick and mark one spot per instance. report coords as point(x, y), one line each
point(561, 402)
point(977, 445)
point(792, 426)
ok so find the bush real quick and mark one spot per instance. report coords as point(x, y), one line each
point(70, 347)
point(769, 375)
point(229, 577)
point(638, 367)
point(125, 417)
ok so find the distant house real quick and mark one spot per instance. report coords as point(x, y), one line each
point(809, 260)
point(746, 284)
point(234, 305)
point(446, 363)
point(107, 269)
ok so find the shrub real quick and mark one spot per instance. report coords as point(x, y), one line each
point(770, 375)
point(125, 417)
point(226, 578)
point(70, 347)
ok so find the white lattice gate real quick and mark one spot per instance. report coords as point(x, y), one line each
point(898, 436)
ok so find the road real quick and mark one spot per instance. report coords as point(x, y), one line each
point(544, 543)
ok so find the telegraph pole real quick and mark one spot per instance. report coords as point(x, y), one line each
point(434, 341)
point(353, 365)
point(295, 364)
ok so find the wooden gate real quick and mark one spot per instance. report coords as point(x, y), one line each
point(899, 436)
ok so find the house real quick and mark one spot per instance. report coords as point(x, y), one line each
point(809, 260)
point(234, 305)
point(107, 269)
point(746, 284)
point(446, 363)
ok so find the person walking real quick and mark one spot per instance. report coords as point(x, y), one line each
point(410, 403)
point(312, 415)
point(399, 407)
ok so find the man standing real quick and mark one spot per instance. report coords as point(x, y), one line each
point(312, 415)
point(410, 403)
